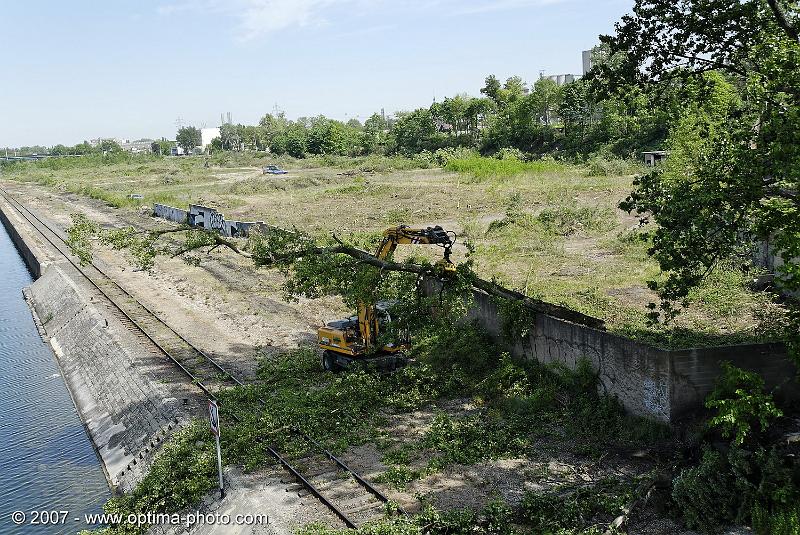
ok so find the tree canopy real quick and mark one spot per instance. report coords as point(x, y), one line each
point(731, 180)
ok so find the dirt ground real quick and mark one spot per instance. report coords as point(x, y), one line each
point(224, 306)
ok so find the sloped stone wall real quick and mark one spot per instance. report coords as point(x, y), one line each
point(115, 382)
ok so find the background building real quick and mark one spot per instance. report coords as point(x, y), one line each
point(207, 135)
point(561, 79)
point(138, 146)
point(587, 61)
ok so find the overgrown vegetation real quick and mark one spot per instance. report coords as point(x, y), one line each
point(692, 77)
point(520, 403)
point(755, 480)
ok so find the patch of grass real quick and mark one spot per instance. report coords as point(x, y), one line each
point(399, 476)
point(358, 187)
point(568, 220)
point(373, 163)
point(601, 166)
point(481, 169)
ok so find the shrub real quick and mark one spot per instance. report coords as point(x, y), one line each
point(741, 404)
point(443, 156)
point(706, 494)
point(511, 154)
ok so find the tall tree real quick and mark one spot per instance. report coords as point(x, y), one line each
point(414, 132)
point(736, 173)
point(188, 138)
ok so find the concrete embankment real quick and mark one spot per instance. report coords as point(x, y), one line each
point(128, 396)
point(28, 246)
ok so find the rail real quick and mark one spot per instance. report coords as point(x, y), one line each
point(44, 229)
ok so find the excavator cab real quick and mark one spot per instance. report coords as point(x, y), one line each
point(355, 338)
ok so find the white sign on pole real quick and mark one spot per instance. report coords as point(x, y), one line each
point(213, 418)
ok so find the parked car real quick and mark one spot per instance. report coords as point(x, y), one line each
point(274, 170)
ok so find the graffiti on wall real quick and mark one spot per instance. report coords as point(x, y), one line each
point(205, 217)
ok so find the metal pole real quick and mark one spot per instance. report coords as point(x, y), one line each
point(219, 467)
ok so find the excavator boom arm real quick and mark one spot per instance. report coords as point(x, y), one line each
point(392, 237)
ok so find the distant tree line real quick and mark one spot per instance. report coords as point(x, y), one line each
point(575, 119)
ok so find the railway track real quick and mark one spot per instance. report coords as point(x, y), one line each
point(203, 370)
point(348, 495)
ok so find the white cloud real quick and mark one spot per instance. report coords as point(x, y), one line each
point(259, 17)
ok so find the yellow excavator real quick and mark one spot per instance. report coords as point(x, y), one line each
point(356, 338)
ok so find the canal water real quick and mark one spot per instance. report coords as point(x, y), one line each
point(46, 460)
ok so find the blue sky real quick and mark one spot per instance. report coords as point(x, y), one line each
point(76, 70)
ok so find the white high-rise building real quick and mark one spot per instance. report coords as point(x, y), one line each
point(207, 135)
point(587, 61)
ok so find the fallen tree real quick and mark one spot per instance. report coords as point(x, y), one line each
point(313, 267)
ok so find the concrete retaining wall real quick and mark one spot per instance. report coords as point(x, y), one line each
point(649, 381)
point(207, 218)
point(170, 213)
point(33, 256)
point(694, 372)
point(127, 411)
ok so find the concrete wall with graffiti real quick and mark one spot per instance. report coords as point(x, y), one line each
point(657, 383)
point(207, 218)
point(170, 213)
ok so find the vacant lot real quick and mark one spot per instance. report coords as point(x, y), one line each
point(548, 229)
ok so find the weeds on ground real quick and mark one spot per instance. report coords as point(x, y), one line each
point(574, 507)
point(481, 169)
point(559, 237)
point(496, 518)
point(346, 409)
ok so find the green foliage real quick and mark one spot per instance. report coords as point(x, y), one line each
point(516, 319)
point(756, 487)
point(79, 236)
point(741, 404)
point(188, 138)
point(574, 508)
point(706, 494)
point(183, 472)
point(521, 401)
point(471, 439)
point(414, 132)
point(482, 169)
point(726, 186)
point(142, 246)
